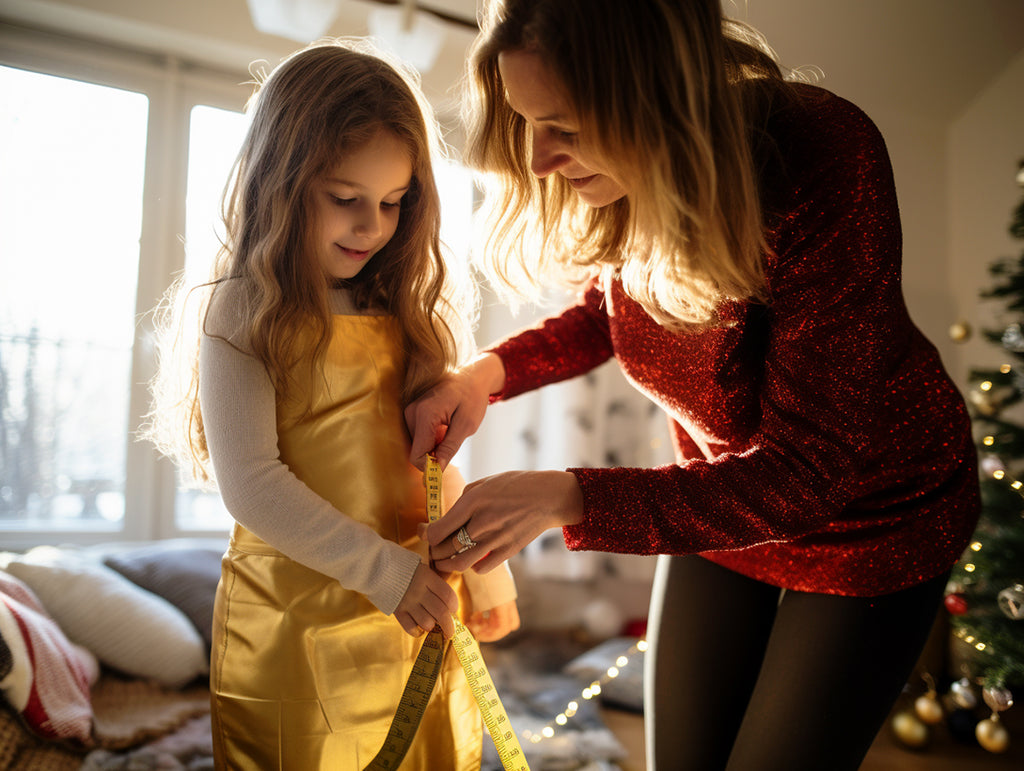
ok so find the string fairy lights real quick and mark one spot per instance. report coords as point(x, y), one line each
point(591, 691)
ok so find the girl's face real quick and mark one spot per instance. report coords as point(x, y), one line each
point(357, 203)
point(537, 94)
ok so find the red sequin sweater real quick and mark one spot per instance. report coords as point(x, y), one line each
point(820, 444)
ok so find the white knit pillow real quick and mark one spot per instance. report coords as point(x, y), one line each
point(125, 626)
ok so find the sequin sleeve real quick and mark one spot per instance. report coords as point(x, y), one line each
point(558, 348)
point(852, 436)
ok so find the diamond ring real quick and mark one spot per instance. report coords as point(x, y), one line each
point(466, 543)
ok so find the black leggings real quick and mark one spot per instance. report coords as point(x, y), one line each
point(738, 679)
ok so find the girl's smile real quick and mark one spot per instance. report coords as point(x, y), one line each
point(358, 202)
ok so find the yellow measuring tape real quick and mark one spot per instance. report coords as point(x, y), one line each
point(425, 671)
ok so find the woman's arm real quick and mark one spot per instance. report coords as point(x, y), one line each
point(847, 385)
point(560, 347)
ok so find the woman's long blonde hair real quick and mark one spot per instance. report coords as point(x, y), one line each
point(666, 95)
point(319, 104)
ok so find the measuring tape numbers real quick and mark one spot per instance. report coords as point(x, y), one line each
point(425, 671)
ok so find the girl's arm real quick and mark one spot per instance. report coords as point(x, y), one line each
point(263, 495)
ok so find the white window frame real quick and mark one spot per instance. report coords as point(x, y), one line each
point(173, 87)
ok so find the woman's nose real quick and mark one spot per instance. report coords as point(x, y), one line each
point(546, 157)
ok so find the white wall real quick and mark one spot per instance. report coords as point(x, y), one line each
point(984, 146)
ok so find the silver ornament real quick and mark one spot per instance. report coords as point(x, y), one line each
point(1013, 338)
point(1011, 601)
point(963, 694)
point(990, 464)
point(998, 699)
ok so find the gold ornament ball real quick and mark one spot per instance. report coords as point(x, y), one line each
point(992, 735)
point(928, 709)
point(960, 331)
point(910, 730)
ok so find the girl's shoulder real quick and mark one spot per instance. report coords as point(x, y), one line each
point(225, 315)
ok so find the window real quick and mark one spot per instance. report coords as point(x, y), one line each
point(112, 165)
point(70, 220)
point(214, 138)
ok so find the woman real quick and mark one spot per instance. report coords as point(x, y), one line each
point(740, 241)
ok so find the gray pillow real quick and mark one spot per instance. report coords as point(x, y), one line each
point(185, 576)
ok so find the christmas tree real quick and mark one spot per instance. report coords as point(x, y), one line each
point(985, 596)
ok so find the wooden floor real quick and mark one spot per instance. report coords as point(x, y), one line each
point(943, 754)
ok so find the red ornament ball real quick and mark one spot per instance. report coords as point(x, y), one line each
point(956, 604)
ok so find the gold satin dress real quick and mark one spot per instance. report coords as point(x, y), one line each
point(306, 675)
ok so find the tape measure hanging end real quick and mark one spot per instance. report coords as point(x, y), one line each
point(427, 667)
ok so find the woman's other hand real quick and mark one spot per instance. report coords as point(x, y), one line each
point(444, 417)
point(501, 514)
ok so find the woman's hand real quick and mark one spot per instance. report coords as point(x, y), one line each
point(493, 624)
point(502, 513)
point(444, 417)
point(428, 601)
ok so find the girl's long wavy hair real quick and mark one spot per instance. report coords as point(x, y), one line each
point(671, 96)
point(317, 106)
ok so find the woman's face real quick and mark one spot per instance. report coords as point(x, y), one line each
point(538, 95)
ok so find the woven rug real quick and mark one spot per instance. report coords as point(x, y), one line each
point(128, 715)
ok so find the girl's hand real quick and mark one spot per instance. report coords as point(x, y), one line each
point(503, 513)
point(493, 624)
point(428, 601)
point(453, 409)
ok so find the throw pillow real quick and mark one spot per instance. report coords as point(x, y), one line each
point(49, 678)
point(185, 576)
point(125, 626)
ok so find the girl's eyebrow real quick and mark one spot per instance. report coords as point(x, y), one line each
point(357, 186)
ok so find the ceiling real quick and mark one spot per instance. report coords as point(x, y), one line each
point(927, 57)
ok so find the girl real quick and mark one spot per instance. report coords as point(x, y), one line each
point(330, 308)
point(742, 239)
